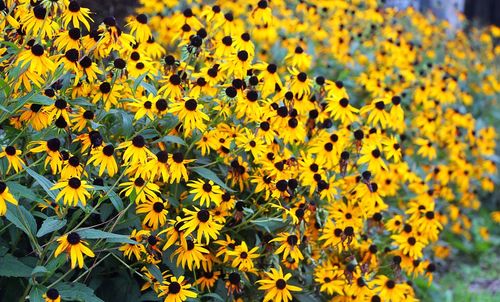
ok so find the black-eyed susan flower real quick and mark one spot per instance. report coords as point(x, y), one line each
point(289, 245)
point(103, 158)
point(207, 279)
point(243, 257)
point(52, 295)
point(177, 167)
point(5, 195)
point(206, 192)
point(190, 254)
point(36, 116)
point(36, 59)
point(73, 190)
point(156, 213)
point(276, 286)
point(51, 148)
point(389, 289)
point(13, 158)
point(136, 151)
point(190, 114)
point(176, 290)
point(75, 15)
point(145, 107)
point(139, 28)
point(75, 247)
point(134, 249)
point(143, 189)
point(201, 221)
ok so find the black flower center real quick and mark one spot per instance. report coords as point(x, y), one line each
point(37, 50)
point(74, 161)
point(280, 284)
point(138, 141)
point(139, 182)
point(344, 102)
point(39, 12)
point(74, 183)
point(390, 284)
point(191, 104)
point(190, 244)
point(74, 7)
point(73, 238)
point(52, 293)
point(72, 55)
point(158, 207)
point(243, 55)
point(396, 100)
point(74, 33)
point(10, 150)
point(105, 87)
point(234, 278)
point(227, 41)
point(271, 68)
point(108, 150)
point(207, 187)
point(302, 76)
point(203, 215)
point(175, 80)
point(292, 240)
point(53, 144)
point(142, 19)
point(3, 187)
point(380, 105)
point(88, 115)
point(178, 157)
point(161, 105)
point(60, 104)
point(174, 288)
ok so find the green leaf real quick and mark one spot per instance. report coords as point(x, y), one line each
point(39, 270)
point(269, 224)
point(36, 293)
point(306, 297)
point(10, 266)
point(21, 218)
point(110, 237)
point(50, 225)
point(112, 196)
point(76, 292)
point(213, 297)
point(155, 271)
point(210, 175)
point(172, 139)
point(19, 190)
point(138, 81)
point(42, 100)
point(44, 182)
point(343, 75)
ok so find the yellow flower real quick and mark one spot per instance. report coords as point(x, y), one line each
point(5, 195)
point(206, 191)
point(73, 191)
point(13, 158)
point(52, 295)
point(276, 286)
point(176, 290)
point(202, 222)
point(75, 248)
point(243, 257)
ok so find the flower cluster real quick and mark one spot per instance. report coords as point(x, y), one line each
point(246, 149)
